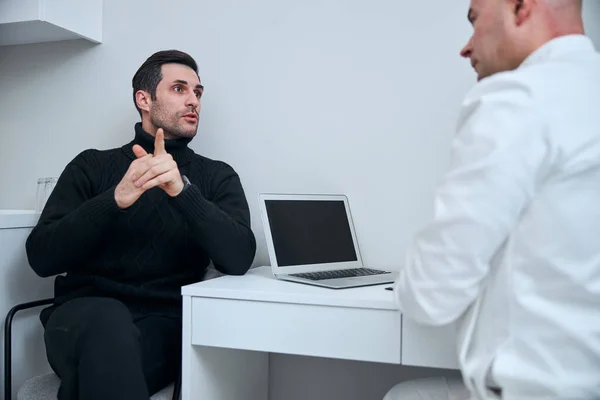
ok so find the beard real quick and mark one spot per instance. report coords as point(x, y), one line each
point(172, 123)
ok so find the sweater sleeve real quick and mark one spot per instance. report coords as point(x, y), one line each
point(221, 226)
point(73, 221)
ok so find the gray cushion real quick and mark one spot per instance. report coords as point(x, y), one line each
point(45, 387)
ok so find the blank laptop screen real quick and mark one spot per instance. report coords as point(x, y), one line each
point(310, 232)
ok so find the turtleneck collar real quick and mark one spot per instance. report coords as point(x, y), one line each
point(178, 148)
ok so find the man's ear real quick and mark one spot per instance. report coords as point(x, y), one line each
point(523, 10)
point(143, 100)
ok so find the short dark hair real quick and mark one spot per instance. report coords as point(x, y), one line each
point(149, 75)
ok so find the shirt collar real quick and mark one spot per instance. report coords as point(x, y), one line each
point(558, 47)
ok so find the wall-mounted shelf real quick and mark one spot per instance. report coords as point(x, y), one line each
point(36, 21)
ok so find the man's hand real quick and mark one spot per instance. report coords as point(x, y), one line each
point(163, 171)
point(149, 171)
point(126, 192)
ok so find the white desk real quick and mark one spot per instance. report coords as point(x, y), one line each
point(231, 324)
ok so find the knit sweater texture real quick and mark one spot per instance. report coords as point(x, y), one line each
point(146, 253)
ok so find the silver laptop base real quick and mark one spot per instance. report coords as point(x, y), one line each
point(344, 283)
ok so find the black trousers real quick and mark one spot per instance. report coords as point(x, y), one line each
point(100, 349)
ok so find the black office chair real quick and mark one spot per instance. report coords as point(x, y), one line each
point(45, 387)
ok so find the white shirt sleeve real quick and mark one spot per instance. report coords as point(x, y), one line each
point(496, 161)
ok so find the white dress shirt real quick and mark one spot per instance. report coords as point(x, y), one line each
point(513, 252)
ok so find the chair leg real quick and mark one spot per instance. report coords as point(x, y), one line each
point(8, 341)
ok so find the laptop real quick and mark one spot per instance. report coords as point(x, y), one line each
point(311, 240)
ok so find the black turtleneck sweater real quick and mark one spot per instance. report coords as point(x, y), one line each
point(144, 254)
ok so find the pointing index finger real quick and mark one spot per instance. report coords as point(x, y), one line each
point(159, 143)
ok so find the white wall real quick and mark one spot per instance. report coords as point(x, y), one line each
point(349, 96)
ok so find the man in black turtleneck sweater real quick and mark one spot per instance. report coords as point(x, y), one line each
point(124, 229)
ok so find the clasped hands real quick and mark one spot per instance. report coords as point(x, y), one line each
point(148, 171)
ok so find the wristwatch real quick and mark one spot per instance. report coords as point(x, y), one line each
point(186, 183)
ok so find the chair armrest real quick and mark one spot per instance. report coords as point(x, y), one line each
point(8, 341)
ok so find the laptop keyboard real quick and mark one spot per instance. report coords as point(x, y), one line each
point(340, 273)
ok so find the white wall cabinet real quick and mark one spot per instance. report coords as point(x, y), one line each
point(36, 21)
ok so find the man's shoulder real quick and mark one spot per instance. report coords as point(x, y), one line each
point(503, 103)
point(500, 96)
point(539, 82)
point(212, 165)
point(91, 156)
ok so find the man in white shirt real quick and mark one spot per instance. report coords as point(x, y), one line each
point(513, 252)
